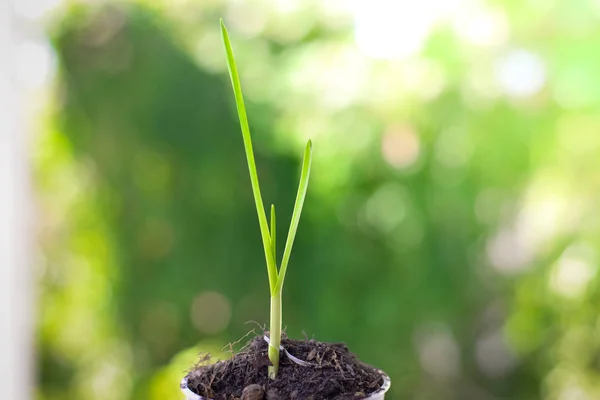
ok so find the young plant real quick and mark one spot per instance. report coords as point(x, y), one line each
point(276, 276)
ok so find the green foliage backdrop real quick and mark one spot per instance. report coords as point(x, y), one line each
point(450, 233)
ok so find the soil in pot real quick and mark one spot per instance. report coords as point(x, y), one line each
point(334, 373)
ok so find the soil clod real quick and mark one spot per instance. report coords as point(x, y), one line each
point(253, 392)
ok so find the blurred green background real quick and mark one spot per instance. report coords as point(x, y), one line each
point(452, 226)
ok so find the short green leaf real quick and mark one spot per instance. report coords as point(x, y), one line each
point(302, 188)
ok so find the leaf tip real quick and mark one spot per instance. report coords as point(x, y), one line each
point(224, 30)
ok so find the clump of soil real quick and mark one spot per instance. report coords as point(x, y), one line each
point(335, 374)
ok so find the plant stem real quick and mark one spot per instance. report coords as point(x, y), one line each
point(275, 334)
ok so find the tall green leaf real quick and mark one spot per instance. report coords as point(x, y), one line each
point(241, 108)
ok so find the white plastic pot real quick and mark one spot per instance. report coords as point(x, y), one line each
point(378, 395)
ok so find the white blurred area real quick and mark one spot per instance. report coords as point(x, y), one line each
point(26, 67)
point(15, 290)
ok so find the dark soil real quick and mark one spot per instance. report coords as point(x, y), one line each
point(336, 374)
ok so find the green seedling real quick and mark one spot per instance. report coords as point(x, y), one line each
point(276, 276)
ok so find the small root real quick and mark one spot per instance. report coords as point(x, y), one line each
point(231, 345)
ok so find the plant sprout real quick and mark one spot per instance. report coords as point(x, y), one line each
point(276, 277)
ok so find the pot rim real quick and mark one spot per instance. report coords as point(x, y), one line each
point(387, 382)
